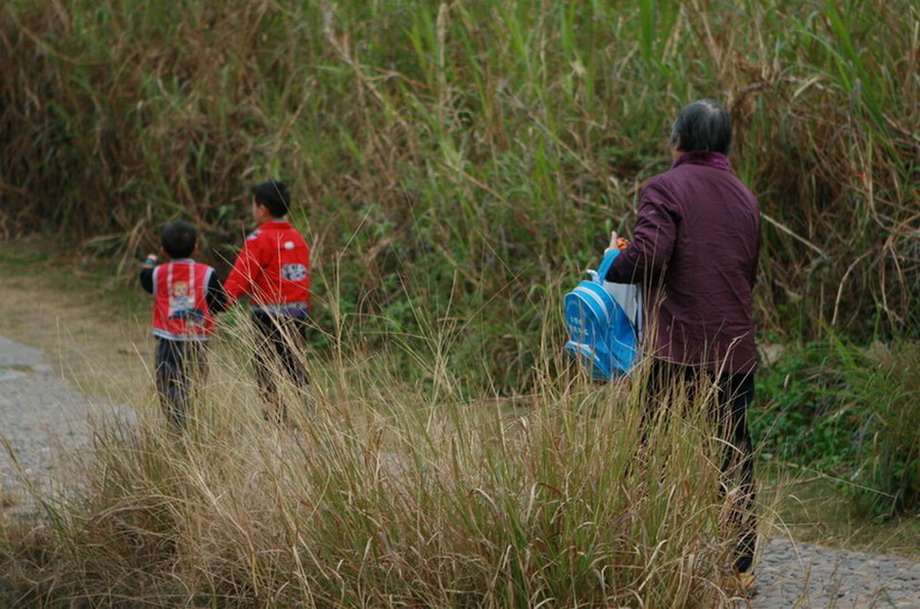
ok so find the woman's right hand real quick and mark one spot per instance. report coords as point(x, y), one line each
point(616, 243)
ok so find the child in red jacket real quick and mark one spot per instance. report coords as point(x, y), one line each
point(186, 295)
point(273, 269)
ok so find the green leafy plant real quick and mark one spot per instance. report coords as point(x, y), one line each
point(884, 383)
point(799, 416)
point(852, 413)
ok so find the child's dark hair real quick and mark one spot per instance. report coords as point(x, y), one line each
point(179, 238)
point(273, 195)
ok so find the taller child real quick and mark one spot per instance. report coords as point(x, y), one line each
point(273, 269)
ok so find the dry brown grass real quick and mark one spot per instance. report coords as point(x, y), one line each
point(397, 492)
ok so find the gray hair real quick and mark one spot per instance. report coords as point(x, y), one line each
point(702, 125)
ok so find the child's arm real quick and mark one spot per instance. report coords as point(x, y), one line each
point(216, 296)
point(245, 269)
point(146, 274)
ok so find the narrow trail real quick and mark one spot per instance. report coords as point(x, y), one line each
point(42, 366)
point(57, 355)
point(38, 411)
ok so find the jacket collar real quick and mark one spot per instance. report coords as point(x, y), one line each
point(706, 158)
point(274, 224)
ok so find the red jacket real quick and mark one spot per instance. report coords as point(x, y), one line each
point(274, 270)
point(180, 309)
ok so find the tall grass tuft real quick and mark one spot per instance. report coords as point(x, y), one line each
point(884, 383)
point(849, 413)
point(493, 144)
point(398, 491)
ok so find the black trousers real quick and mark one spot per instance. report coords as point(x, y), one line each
point(734, 393)
point(179, 364)
point(279, 340)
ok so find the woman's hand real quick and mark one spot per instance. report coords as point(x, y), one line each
point(616, 243)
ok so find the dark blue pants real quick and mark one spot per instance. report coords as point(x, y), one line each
point(279, 342)
point(179, 364)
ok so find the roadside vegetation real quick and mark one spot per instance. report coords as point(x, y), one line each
point(394, 493)
point(456, 166)
point(472, 156)
point(850, 414)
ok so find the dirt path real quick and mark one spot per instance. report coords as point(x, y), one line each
point(38, 409)
point(58, 354)
point(57, 357)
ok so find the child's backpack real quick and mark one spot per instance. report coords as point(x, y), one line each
point(604, 322)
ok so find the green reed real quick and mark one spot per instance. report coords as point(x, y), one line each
point(493, 144)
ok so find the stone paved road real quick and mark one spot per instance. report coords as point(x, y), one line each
point(37, 408)
point(809, 576)
point(39, 413)
point(36, 404)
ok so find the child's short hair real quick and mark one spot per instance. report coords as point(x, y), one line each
point(273, 195)
point(178, 239)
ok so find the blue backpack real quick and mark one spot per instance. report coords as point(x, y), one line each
point(604, 322)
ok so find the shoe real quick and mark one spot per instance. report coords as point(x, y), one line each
point(746, 584)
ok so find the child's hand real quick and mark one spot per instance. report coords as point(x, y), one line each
point(151, 260)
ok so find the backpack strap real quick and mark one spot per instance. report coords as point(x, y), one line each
point(606, 263)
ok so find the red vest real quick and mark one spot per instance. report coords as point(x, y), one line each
point(180, 306)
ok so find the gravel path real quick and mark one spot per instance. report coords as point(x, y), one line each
point(36, 405)
point(39, 411)
point(805, 575)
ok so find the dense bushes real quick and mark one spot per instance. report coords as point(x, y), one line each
point(466, 160)
point(851, 413)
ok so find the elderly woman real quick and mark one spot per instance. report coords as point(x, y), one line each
point(694, 251)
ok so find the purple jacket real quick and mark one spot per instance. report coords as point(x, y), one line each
point(695, 251)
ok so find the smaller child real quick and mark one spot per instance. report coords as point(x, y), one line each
point(273, 269)
point(186, 296)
